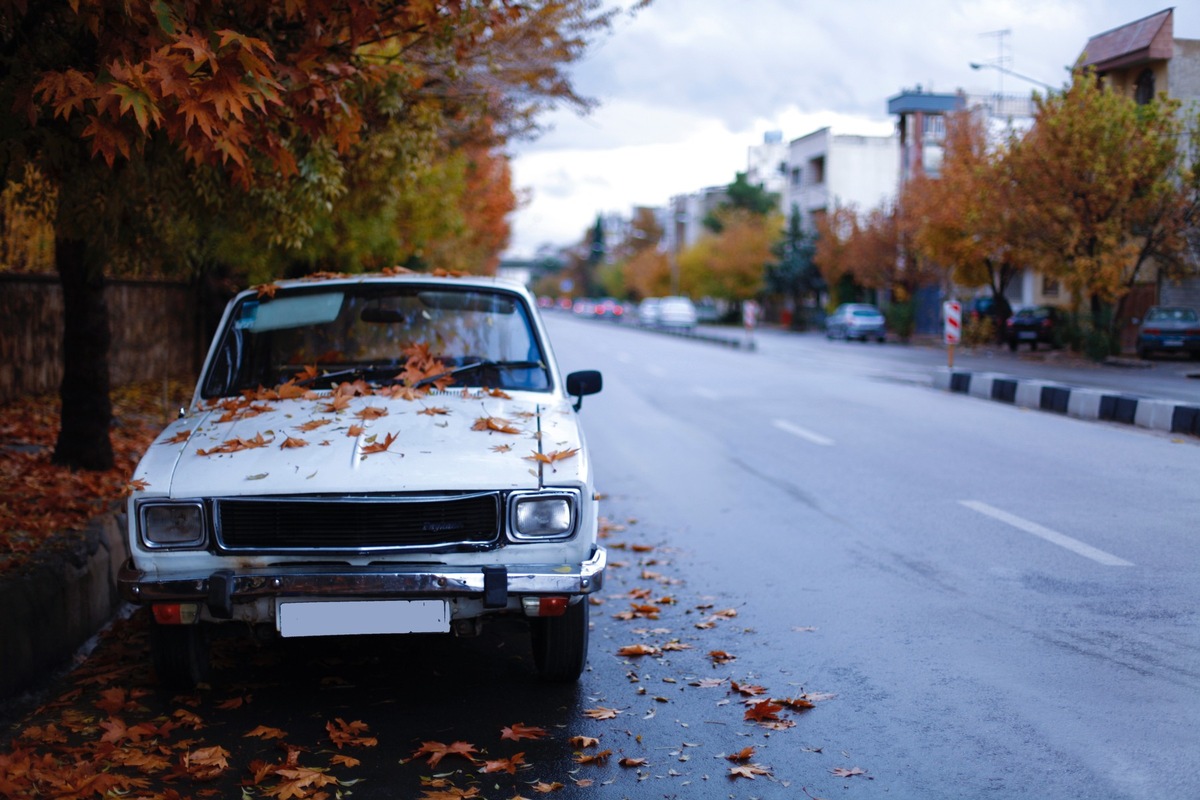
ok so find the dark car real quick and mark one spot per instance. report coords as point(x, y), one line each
point(1169, 329)
point(1033, 325)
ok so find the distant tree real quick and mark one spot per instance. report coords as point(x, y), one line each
point(964, 220)
point(794, 274)
point(1105, 187)
point(731, 264)
point(745, 196)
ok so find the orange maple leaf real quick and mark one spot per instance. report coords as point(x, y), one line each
point(263, 732)
point(313, 424)
point(583, 741)
point(632, 762)
point(763, 711)
point(748, 771)
point(553, 456)
point(639, 650)
point(496, 424)
point(595, 758)
point(342, 732)
point(434, 411)
point(522, 731)
point(292, 442)
point(508, 765)
point(600, 712)
point(437, 751)
point(720, 656)
point(377, 446)
point(371, 412)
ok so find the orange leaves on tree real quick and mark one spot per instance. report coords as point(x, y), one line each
point(437, 751)
point(520, 731)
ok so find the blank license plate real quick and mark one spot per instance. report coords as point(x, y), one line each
point(355, 617)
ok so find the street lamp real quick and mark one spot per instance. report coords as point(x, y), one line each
point(1008, 71)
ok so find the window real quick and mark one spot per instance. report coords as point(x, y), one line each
point(816, 170)
point(1143, 90)
point(797, 176)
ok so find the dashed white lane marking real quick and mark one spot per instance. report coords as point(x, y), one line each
point(1052, 536)
point(803, 433)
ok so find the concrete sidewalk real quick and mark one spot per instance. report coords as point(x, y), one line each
point(1171, 416)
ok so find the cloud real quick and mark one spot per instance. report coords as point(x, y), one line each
point(686, 86)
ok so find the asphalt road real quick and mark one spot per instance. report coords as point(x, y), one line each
point(977, 601)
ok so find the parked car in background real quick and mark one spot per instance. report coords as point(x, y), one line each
point(677, 313)
point(1169, 329)
point(647, 312)
point(856, 321)
point(1033, 325)
point(583, 307)
point(385, 485)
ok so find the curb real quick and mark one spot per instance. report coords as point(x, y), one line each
point(1171, 416)
point(58, 601)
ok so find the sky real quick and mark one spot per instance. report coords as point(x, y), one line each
point(685, 87)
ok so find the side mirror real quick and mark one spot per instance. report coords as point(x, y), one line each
point(588, 381)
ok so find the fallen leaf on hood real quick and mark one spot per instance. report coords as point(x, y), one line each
point(379, 447)
point(313, 424)
point(553, 456)
point(494, 424)
point(292, 442)
point(434, 411)
point(501, 448)
point(371, 412)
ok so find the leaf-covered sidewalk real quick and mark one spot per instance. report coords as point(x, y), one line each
point(38, 499)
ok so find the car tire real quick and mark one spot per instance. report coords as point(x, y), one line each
point(560, 644)
point(181, 655)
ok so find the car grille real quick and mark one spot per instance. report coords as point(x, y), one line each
point(284, 525)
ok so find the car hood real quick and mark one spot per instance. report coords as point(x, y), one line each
point(444, 441)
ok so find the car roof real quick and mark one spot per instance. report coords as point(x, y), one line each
point(383, 278)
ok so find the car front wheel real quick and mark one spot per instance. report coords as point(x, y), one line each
point(560, 643)
point(180, 654)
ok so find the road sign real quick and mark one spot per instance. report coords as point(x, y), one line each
point(952, 311)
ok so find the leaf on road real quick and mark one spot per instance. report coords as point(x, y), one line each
point(343, 733)
point(639, 650)
point(522, 731)
point(437, 751)
point(264, 732)
point(600, 712)
point(748, 771)
point(720, 656)
point(842, 772)
point(583, 741)
point(594, 758)
point(745, 754)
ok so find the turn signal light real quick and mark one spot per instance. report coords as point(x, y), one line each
point(175, 613)
point(544, 606)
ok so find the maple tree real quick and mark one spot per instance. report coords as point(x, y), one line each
point(730, 263)
point(1105, 187)
point(163, 127)
point(964, 220)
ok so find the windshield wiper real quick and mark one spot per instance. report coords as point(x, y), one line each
point(362, 371)
point(483, 364)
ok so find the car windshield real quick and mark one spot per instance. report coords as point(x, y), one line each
point(1171, 315)
point(866, 312)
point(319, 336)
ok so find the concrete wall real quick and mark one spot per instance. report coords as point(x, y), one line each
point(153, 323)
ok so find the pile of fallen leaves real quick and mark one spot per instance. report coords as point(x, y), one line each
point(39, 499)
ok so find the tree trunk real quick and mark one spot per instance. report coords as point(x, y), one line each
point(83, 438)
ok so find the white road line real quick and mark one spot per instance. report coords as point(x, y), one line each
point(706, 393)
point(803, 433)
point(1054, 537)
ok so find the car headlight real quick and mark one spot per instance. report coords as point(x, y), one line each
point(172, 524)
point(543, 515)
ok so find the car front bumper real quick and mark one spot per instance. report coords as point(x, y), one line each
point(221, 590)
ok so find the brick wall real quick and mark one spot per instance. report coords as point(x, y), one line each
point(154, 333)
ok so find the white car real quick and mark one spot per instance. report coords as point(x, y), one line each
point(647, 312)
point(676, 312)
point(371, 455)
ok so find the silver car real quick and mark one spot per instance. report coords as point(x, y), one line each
point(856, 321)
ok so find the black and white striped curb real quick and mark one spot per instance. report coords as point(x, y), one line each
point(1173, 416)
